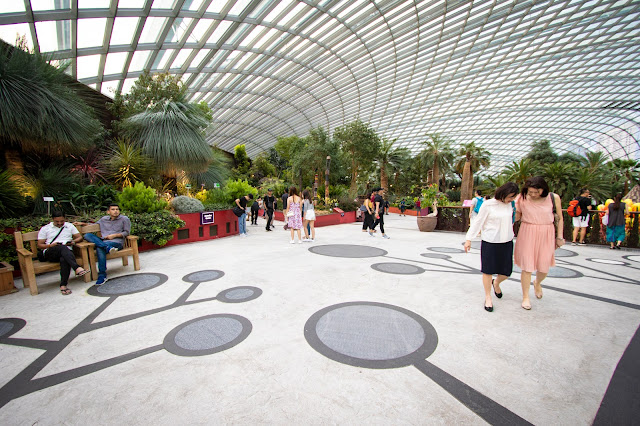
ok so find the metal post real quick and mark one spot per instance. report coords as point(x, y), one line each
point(326, 181)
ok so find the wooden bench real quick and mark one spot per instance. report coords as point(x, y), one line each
point(130, 248)
point(31, 266)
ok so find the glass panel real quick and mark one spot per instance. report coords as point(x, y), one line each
point(282, 5)
point(94, 4)
point(49, 4)
point(115, 63)
point(139, 60)
point(91, 32)
point(128, 84)
point(109, 88)
point(192, 4)
point(131, 4)
point(199, 57)
point(200, 29)
point(123, 30)
point(54, 35)
point(182, 56)
point(217, 34)
point(162, 59)
point(163, 4)
point(177, 30)
point(11, 6)
point(9, 33)
point(152, 29)
point(88, 66)
point(238, 7)
point(216, 6)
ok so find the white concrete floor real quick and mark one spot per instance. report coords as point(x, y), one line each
point(550, 365)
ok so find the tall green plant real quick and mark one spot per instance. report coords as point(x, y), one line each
point(140, 199)
point(127, 164)
point(472, 158)
point(239, 188)
point(53, 181)
point(438, 154)
point(11, 199)
point(390, 159)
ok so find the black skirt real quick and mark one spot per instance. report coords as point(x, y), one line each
point(497, 258)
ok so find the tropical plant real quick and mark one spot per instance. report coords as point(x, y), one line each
point(184, 204)
point(52, 181)
point(594, 160)
point(261, 168)
point(520, 171)
point(431, 194)
point(241, 162)
point(238, 188)
point(628, 170)
point(438, 154)
point(217, 172)
point(559, 178)
point(542, 153)
point(88, 166)
point(86, 198)
point(156, 227)
point(39, 110)
point(172, 135)
point(127, 164)
point(362, 145)
point(140, 199)
point(11, 199)
point(472, 158)
point(390, 159)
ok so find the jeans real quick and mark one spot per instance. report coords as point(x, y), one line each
point(242, 223)
point(61, 253)
point(270, 218)
point(102, 248)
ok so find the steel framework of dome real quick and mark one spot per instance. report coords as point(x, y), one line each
point(501, 73)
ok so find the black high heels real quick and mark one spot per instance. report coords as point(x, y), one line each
point(498, 295)
point(488, 308)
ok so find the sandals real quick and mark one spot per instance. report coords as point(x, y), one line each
point(83, 272)
point(527, 307)
point(535, 290)
point(65, 291)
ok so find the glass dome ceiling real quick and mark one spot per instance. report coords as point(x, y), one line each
point(501, 73)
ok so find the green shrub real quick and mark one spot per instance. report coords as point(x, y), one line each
point(217, 206)
point(184, 204)
point(278, 186)
point(56, 182)
point(86, 198)
point(156, 227)
point(348, 204)
point(11, 200)
point(140, 199)
point(453, 195)
point(238, 188)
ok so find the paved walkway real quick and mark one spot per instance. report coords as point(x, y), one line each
point(349, 329)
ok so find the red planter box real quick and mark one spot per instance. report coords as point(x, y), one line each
point(225, 223)
point(325, 219)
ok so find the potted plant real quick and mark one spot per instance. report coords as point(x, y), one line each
point(430, 198)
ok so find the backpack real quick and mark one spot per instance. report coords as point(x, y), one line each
point(479, 201)
point(574, 209)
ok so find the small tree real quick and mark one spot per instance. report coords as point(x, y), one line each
point(542, 152)
point(362, 144)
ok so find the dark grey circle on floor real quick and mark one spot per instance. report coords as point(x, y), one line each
point(557, 272)
point(435, 256)
point(347, 250)
point(128, 284)
point(446, 249)
point(207, 335)
point(203, 276)
point(561, 252)
point(371, 335)
point(9, 326)
point(239, 294)
point(397, 268)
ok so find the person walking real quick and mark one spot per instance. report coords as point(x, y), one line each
point(616, 223)
point(379, 210)
point(254, 211)
point(403, 207)
point(477, 201)
point(309, 217)
point(369, 220)
point(55, 239)
point(293, 213)
point(269, 206)
point(242, 219)
point(495, 220)
point(581, 222)
point(284, 197)
point(537, 239)
point(418, 207)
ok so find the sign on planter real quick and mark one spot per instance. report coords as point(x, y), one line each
point(206, 218)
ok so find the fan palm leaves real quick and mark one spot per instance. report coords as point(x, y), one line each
point(471, 159)
point(218, 171)
point(38, 109)
point(558, 177)
point(438, 154)
point(520, 171)
point(172, 135)
point(594, 160)
point(391, 159)
point(628, 172)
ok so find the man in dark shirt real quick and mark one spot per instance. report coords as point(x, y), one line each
point(242, 220)
point(284, 198)
point(269, 206)
point(378, 203)
point(581, 223)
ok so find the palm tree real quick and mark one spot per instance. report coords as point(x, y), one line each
point(39, 109)
point(560, 177)
point(472, 158)
point(520, 171)
point(629, 170)
point(172, 135)
point(218, 171)
point(594, 160)
point(439, 153)
point(127, 164)
point(390, 159)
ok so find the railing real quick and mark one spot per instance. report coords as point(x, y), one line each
point(456, 218)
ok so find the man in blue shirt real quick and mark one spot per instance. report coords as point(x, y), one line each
point(114, 228)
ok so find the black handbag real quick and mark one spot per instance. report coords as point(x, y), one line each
point(238, 211)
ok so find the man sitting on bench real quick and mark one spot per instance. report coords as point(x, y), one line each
point(114, 228)
point(55, 239)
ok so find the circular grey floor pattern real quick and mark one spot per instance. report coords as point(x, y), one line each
point(397, 268)
point(371, 335)
point(347, 250)
point(633, 257)
point(557, 272)
point(239, 294)
point(128, 284)
point(202, 276)
point(446, 249)
point(207, 335)
point(435, 256)
point(561, 252)
point(608, 261)
point(9, 326)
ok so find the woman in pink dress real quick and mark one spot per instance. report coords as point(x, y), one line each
point(293, 213)
point(536, 242)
